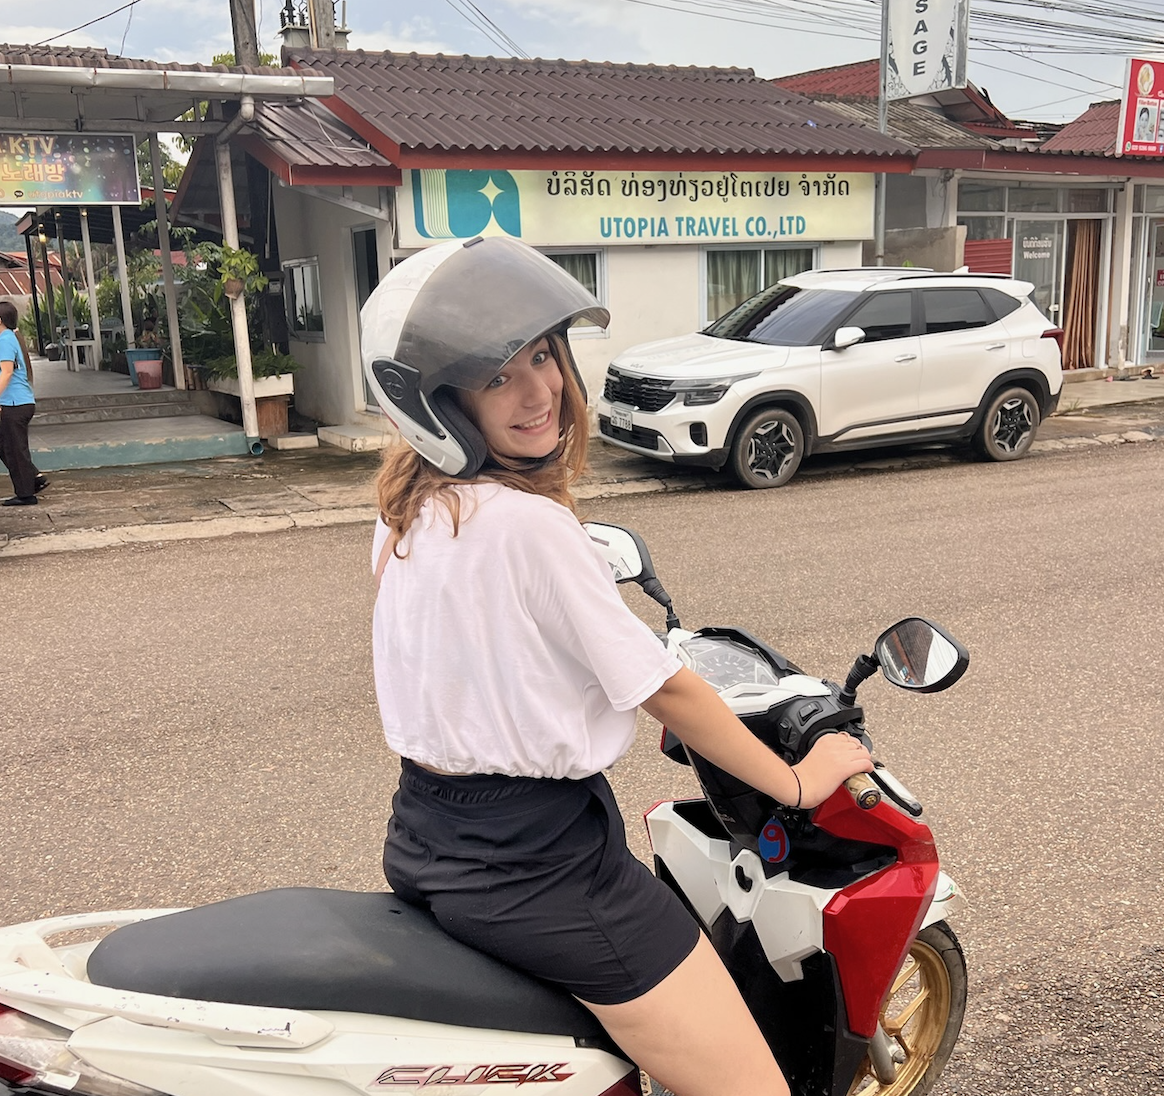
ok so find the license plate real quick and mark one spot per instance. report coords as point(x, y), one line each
point(620, 417)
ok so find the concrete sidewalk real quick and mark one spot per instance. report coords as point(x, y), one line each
point(104, 507)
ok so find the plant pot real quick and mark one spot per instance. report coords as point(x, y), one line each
point(149, 373)
point(232, 287)
point(139, 354)
point(281, 385)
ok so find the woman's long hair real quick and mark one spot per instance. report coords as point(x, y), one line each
point(406, 481)
point(10, 318)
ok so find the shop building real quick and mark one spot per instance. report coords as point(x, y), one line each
point(1053, 206)
point(672, 193)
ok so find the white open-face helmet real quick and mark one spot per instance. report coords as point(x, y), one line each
point(452, 316)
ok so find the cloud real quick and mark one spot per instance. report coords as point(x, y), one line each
point(30, 33)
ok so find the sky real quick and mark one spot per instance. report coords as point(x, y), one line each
point(772, 37)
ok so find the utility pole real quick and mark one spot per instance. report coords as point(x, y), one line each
point(321, 14)
point(246, 35)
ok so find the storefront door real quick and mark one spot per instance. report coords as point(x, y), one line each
point(1038, 259)
point(1152, 315)
point(367, 271)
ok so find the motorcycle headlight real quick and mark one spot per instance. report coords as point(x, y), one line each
point(701, 393)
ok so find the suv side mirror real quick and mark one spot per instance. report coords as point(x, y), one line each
point(845, 337)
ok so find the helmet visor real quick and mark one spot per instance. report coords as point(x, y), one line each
point(485, 302)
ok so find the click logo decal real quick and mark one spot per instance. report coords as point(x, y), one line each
point(457, 205)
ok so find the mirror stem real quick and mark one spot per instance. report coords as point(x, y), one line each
point(863, 669)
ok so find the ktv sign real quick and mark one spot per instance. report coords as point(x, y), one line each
point(926, 47)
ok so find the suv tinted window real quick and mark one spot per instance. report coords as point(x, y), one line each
point(954, 310)
point(783, 316)
point(884, 316)
point(1002, 303)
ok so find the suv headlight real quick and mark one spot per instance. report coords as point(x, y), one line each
point(701, 393)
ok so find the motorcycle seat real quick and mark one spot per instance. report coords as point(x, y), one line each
point(331, 950)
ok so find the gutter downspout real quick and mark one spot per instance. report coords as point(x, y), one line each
point(238, 311)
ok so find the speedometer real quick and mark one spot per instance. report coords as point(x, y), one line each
point(723, 663)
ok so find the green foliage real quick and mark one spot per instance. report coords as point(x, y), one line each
point(109, 297)
point(236, 263)
point(172, 169)
point(265, 363)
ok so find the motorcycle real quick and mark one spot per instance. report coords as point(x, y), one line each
point(832, 922)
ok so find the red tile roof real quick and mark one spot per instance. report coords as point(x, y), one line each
point(1095, 130)
point(305, 140)
point(861, 80)
point(405, 104)
point(86, 57)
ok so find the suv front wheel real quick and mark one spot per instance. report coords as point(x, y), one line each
point(1009, 425)
point(767, 449)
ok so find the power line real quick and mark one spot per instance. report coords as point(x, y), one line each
point(46, 41)
point(478, 19)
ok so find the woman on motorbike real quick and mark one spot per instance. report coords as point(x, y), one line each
point(508, 671)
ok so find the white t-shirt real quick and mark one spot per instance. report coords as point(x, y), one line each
point(508, 649)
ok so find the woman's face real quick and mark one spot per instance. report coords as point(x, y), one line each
point(519, 412)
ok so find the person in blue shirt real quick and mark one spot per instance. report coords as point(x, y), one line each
point(17, 406)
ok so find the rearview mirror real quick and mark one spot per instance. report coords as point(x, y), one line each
point(624, 551)
point(916, 654)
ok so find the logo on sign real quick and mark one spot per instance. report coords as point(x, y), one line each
point(457, 205)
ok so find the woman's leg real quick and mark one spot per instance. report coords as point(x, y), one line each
point(14, 427)
point(694, 1034)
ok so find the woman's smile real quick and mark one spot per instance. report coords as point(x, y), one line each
point(519, 411)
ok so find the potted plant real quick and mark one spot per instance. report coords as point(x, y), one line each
point(271, 370)
point(239, 271)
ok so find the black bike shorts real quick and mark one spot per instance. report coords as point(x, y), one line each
point(537, 874)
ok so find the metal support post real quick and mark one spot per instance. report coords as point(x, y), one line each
point(167, 263)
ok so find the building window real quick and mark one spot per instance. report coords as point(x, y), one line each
point(587, 268)
point(734, 275)
point(303, 300)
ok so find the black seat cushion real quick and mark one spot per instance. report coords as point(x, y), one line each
point(336, 951)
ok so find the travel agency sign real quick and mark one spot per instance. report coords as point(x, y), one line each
point(609, 208)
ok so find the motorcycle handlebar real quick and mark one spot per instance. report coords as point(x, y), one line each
point(864, 791)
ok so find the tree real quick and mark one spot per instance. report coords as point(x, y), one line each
point(172, 168)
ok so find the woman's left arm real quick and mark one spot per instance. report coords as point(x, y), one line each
point(6, 371)
point(687, 705)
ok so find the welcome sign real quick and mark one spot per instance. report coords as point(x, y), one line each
point(611, 208)
point(68, 169)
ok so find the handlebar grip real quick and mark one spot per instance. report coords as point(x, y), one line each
point(864, 791)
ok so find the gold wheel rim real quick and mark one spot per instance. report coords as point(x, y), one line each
point(914, 1017)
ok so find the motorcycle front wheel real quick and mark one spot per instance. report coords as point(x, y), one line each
point(922, 1016)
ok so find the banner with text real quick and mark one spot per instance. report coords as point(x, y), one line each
point(1142, 116)
point(608, 208)
point(68, 169)
point(926, 47)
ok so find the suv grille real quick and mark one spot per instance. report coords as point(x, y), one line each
point(642, 393)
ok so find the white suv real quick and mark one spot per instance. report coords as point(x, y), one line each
point(841, 359)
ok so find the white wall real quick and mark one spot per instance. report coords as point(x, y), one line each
point(329, 386)
point(653, 292)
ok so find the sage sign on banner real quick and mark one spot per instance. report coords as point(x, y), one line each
point(607, 208)
point(926, 47)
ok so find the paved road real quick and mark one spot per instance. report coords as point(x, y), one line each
point(193, 720)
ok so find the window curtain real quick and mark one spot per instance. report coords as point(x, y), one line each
point(581, 266)
point(732, 277)
point(1082, 295)
point(785, 262)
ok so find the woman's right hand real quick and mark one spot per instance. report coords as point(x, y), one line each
point(831, 762)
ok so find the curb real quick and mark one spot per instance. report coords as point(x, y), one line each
point(78, 540)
